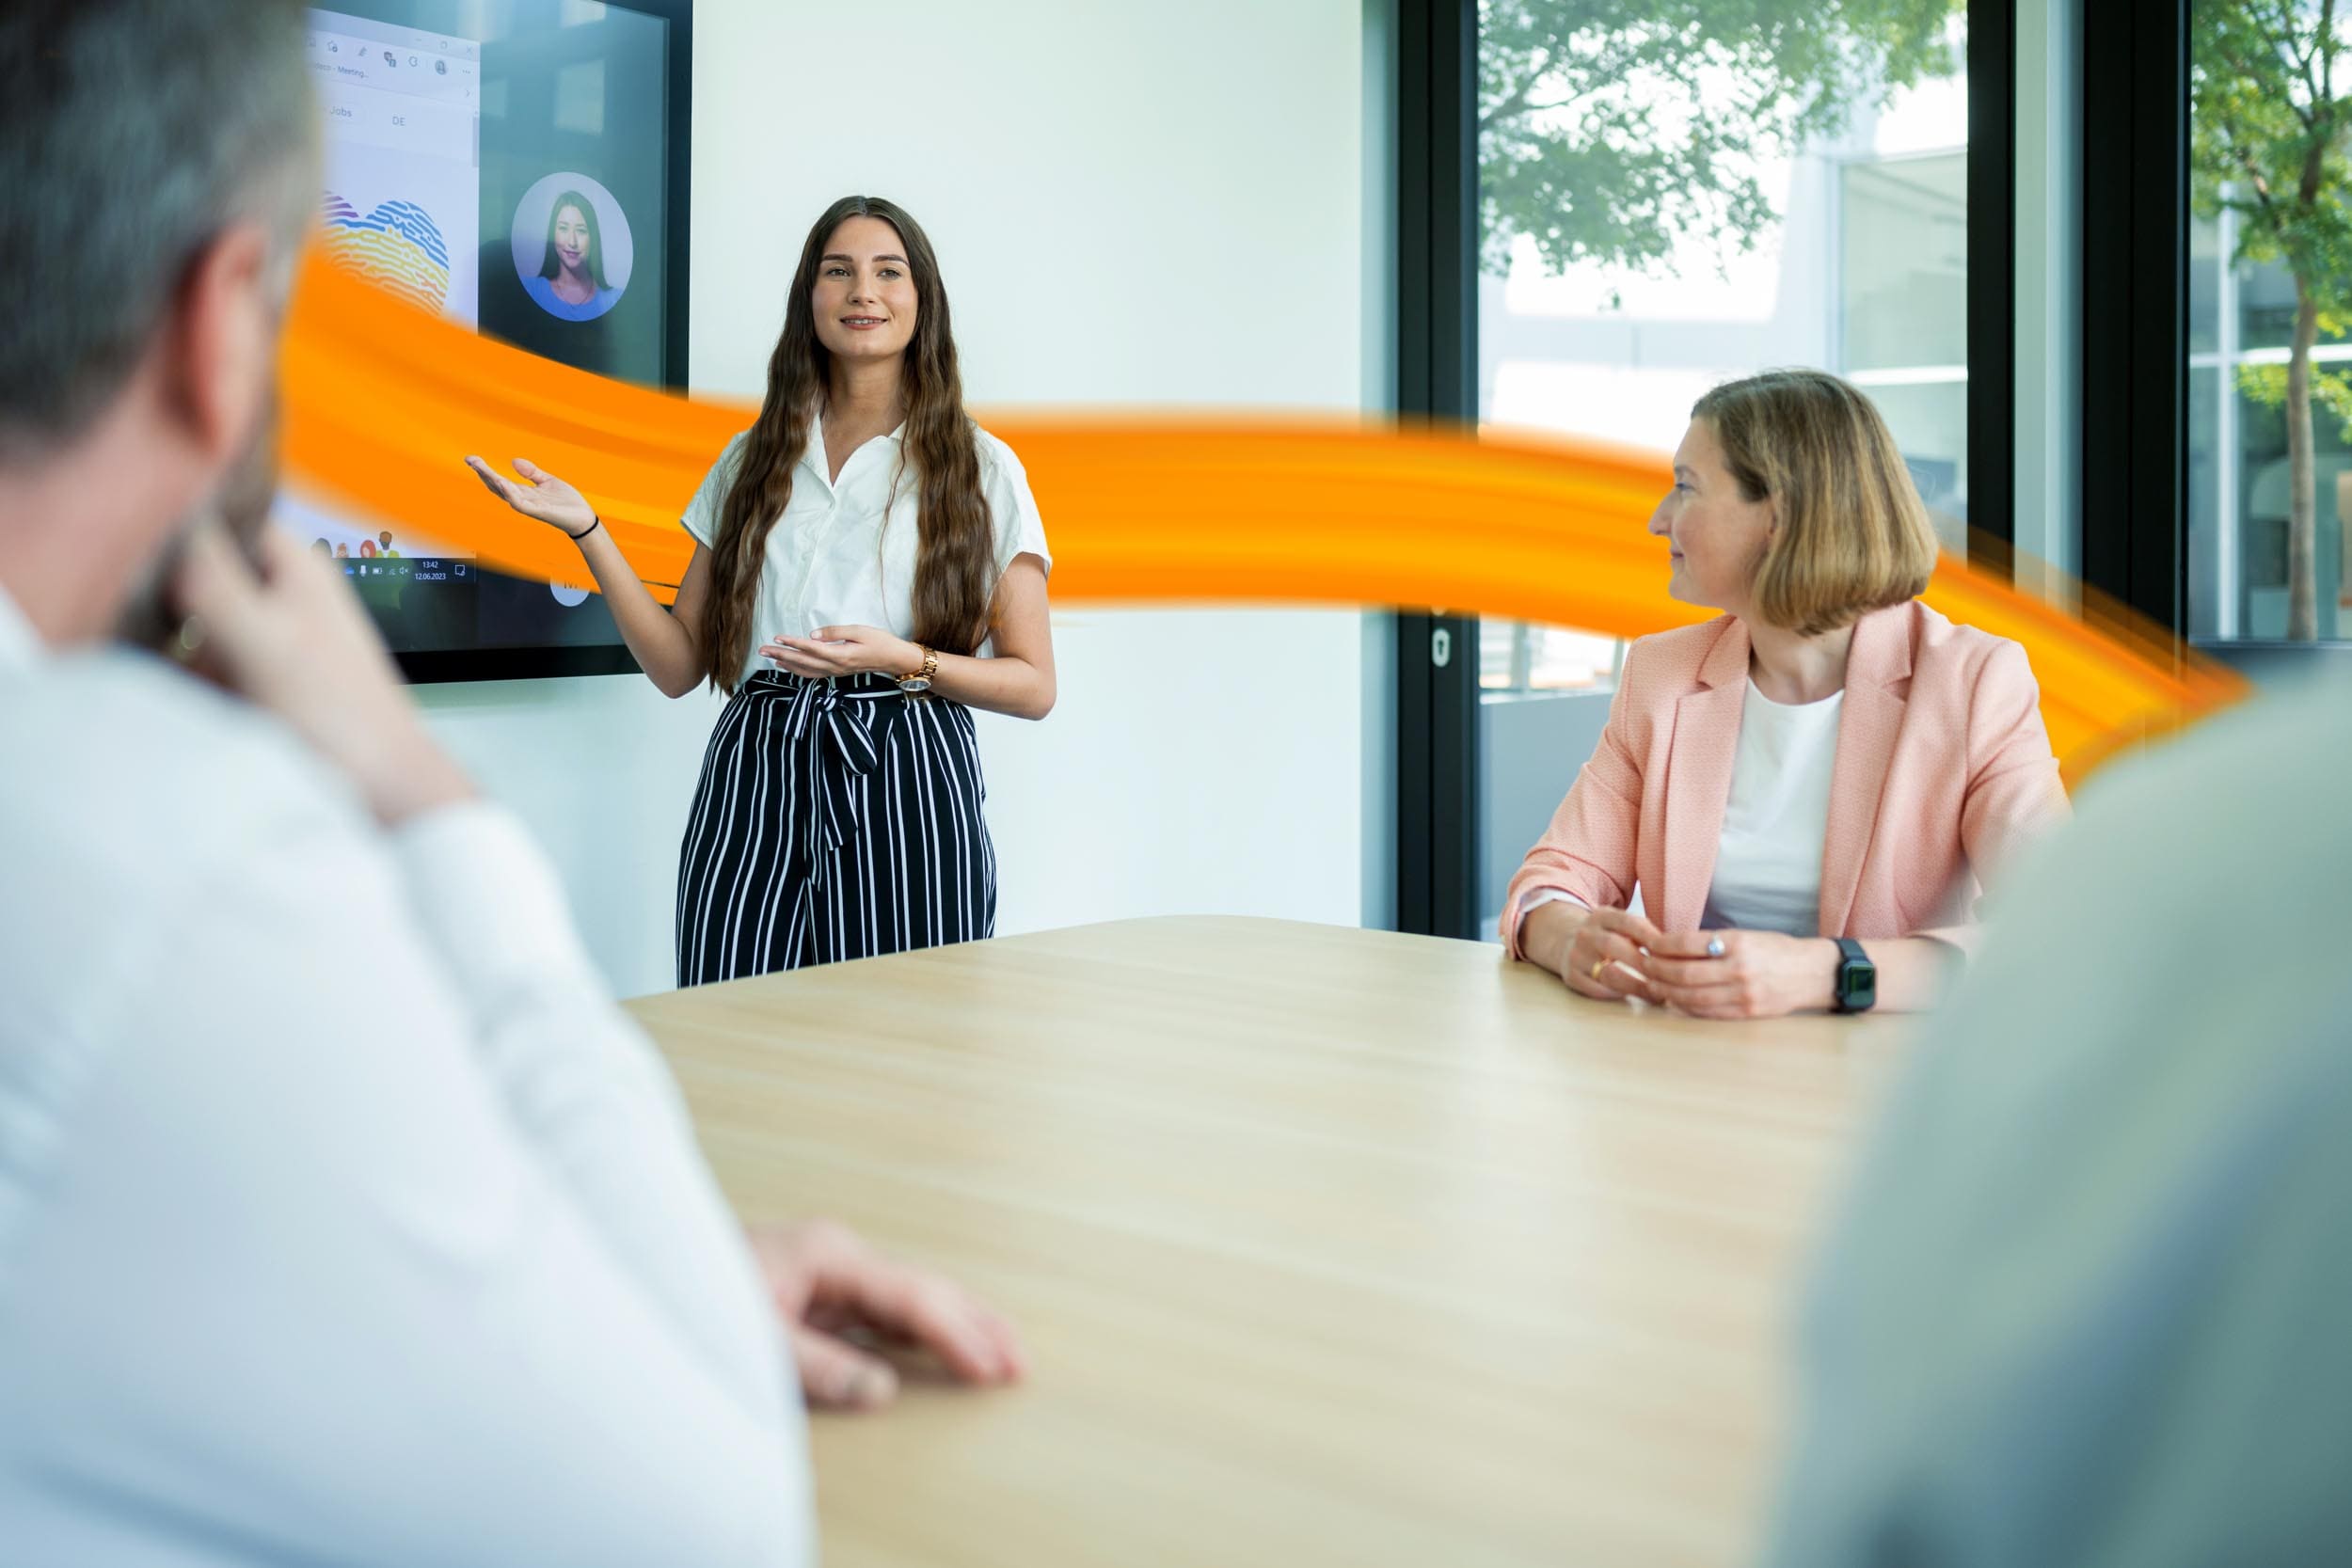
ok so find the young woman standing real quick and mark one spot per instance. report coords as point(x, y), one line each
point(870, 567)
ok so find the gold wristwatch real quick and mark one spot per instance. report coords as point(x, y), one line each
point(921, 680)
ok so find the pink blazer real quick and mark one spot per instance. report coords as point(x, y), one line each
point(1942, 770)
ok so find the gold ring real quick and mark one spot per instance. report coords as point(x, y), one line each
point(1598, 964)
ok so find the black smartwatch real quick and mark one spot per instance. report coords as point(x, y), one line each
point(1857, 977)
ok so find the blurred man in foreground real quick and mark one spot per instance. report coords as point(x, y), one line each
point(299, 1263)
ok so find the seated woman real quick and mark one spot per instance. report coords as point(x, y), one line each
point(1808, 788)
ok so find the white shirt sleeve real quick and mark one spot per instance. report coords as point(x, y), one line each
point(584, 1085)
point(1012, 508)
point(1538, 898)
point(380, 1236)
point(703, 512)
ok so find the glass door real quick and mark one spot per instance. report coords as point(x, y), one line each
point(1660, 209)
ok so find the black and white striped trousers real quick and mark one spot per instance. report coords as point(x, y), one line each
point(835, 819)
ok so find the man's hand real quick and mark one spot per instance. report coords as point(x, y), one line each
point(292, 638)
point(840, 1298)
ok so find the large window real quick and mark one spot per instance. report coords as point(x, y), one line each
point(2270, 436)
point(1835, 240)
point(1669, 202)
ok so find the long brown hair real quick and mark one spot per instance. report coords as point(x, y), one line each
point(957, 548)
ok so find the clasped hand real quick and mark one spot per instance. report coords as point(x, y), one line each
point(1613, 955)
point(843, 651)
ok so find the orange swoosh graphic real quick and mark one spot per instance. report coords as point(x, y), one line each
point(384, 400)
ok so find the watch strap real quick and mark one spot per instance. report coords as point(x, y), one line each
point(918, 681)
point(1850, 957)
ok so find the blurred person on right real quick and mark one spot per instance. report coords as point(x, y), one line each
point(2089, 1302)
point(1826, 765)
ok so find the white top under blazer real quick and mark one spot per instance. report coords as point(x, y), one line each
point(1768, 863)
point(843, 553)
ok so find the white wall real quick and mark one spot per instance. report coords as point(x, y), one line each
point(1133, 204)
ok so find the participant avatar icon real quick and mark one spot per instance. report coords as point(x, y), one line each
point(367, 550)
point(572, 247)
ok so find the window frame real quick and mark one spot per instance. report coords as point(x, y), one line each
point(1436, 57)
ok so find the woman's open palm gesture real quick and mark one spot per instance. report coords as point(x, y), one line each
point(541, 494)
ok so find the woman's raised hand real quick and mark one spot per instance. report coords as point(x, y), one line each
point(540, 495)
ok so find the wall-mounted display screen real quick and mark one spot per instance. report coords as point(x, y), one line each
point(518, 166)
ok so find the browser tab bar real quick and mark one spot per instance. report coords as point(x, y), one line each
point(436, 70)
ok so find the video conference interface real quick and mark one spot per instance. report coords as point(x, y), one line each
point(504, 164)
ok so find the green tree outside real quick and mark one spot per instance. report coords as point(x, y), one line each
point(2268, 120)
point(1612, 131)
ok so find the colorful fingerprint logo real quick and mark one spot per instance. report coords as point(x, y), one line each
point(397, 246)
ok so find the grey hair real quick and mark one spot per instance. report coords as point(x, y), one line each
point(132, 132)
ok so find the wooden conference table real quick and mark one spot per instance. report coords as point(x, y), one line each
point(1328, 1246)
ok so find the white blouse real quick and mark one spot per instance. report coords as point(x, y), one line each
point(843, 553)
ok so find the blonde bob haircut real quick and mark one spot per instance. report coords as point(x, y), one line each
point(1851, 534)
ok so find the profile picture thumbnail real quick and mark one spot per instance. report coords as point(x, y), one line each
point(572, 246)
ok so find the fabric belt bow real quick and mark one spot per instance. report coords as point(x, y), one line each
point(838, 746)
